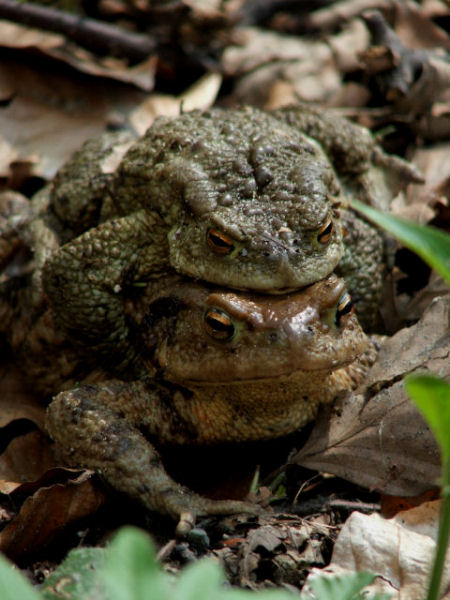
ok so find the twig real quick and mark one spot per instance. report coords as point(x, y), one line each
point(355, 505)
point(89, 33)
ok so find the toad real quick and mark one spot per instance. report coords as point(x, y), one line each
point(210, 366)
point(241, 198)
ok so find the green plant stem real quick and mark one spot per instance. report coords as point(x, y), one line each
point(443, 535)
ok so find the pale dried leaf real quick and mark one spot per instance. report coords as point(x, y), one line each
point(348, 44)
point(201, 95)
point(399, 551)
point(205, 8)
point(51, 114)
point(434, 8)
point(265, 58)
point(416, 29)
point(337, 13)
point(56, 46)
point(375, 437)
point(434, 164)
point(14, 35)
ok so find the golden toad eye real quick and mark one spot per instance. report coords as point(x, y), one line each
point(325, 232)
point(219, 325)
point(219, 242)
point(344, 307)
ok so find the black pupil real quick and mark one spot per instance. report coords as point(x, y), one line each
point(343, 309)
point(218, 241)
point(219, 326)
point(327, 230)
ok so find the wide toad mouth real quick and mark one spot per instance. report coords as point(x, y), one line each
point(282, 377)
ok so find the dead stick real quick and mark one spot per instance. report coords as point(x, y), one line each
point(89, 33)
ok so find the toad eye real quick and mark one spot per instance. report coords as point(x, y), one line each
point(344, 307)
point(219, 242)
point(219, 325)
point(325, 232)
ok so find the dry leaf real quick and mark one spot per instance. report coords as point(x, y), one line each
point(399, 551)
point(416, 29)
point(46, 513)
point(26, 459)
point(201, 95)
point(265, 58)
point(57, 47)
point(51, 114)
point(17, 402)
point(392, 505)
point(279, 547)
point(433, 163)
point(375, 437)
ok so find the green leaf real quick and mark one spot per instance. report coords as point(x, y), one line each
point(131, 571)
point(77, 576)
point(340, 587)
point(235, 594)
point(200, 581)
point(13, 585)
point(432, 397)
point(431, 244)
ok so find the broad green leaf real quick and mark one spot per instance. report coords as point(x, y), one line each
point(77, 576)
point(13, 585)
point(131, 571)
point(432, 396)
point(340, 587)
point(200, 581)
point(431, 244)
point(235, 594)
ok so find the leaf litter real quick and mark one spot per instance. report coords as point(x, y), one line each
point(376, 424)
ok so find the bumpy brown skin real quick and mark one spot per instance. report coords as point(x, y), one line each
point(15, 213)
point(280, 358)
point(77, 191)
point(252, 177)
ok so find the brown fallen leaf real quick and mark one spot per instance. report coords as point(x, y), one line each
point(17, 402)
point(375, 437)
point(48, 114)
point(408, 69)
point(263, 59)
point(26, 459)
point(406, 308)
point(47, 512)
point(433, 163)
point(57, 47)
point(391, 505)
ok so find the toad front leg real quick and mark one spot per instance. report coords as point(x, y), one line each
point(105, 428)
point(84, 279)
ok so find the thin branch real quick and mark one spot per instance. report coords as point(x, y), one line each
point(91, 34)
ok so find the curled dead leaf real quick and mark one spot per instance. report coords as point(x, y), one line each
point(47, 512)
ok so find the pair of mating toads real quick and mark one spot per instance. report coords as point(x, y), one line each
point(120, 307)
